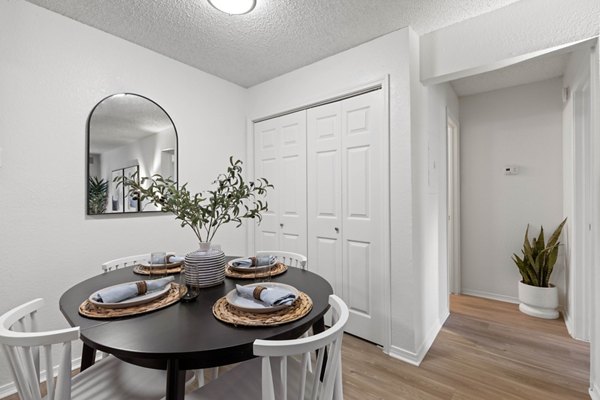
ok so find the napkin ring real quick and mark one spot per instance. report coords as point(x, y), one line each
point(257, 291)
point(142, 287)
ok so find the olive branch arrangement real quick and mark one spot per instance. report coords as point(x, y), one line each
point(231, 200)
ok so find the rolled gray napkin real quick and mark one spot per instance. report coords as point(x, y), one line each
point(271, 296)
point(119, 293)
point(252, 262)
point(172, 259)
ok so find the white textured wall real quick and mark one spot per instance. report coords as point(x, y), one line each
point(428, 129)
point(341, 73)
point(520, 126)
point(53, 71)
point(520, 28)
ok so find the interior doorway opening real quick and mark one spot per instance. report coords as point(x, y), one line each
point(577, 181)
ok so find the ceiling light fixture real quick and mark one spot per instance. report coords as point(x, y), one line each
point(233, 7)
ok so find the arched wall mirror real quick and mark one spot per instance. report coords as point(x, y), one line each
point(128, 135)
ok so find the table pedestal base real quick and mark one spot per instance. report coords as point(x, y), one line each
point(175, 381)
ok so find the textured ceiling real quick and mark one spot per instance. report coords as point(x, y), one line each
point(277, 37)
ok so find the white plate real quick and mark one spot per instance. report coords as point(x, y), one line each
point(193, 281)
point(250, 269)
point(206, 276)
point(161, 266)
point(215, 271)
point(205, 260)
point(256, 306)
point(203, 257)
point(134, 301)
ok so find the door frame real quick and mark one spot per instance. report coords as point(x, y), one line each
point(382, 84)
point(594, 389)
point(582, 209)
point(453, 203)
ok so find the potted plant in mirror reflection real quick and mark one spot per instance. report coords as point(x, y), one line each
point(97, 195)
point(231, 199)
point(537, 296)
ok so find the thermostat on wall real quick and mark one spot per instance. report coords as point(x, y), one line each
point(511, 170)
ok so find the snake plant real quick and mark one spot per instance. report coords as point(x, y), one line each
point(538, 258)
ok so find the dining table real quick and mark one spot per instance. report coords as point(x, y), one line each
point(185, 335)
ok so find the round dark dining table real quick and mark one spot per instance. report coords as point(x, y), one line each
point(185, 336)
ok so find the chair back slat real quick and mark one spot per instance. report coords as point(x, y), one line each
point(14, 362)
point(317, 376)
point(33, 327)
point(288, 258)
point(330, 379)
point(268, 389)
point(32, 377)
point(63, 380)
point(305, 367)
point(20, 325)
point(49, 367)
point(283, 376)
point(327, 343)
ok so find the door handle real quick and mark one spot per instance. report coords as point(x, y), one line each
point(281, 225)
point(337, 230)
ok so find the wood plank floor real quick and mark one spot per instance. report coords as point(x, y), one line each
point(486, 350)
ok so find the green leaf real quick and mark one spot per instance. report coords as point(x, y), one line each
point(556, 234)
point(538, 259)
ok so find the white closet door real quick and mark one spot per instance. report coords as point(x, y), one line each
point(363, 163)
point(280, 156)
point(345, 154)
point(266, 148)
point(324, 164)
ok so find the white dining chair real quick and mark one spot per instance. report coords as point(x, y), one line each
point(293, 260)
point(109, 378)
point(129, 261)
point(287, 257)
point(281, 368)
point(125, 262)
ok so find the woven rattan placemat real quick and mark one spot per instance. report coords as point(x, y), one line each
point(142, 270)
point(225, 312)
point(278, 269)
point(87, 309)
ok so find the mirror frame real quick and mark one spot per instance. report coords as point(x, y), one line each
point(87, 158)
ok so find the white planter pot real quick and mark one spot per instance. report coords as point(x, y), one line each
point(538, 301)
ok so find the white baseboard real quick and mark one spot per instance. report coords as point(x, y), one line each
point(10, 388)
point(7, 390)
point(595, 392)
point(569, 323)
point(415, 358)
point(491, 296)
